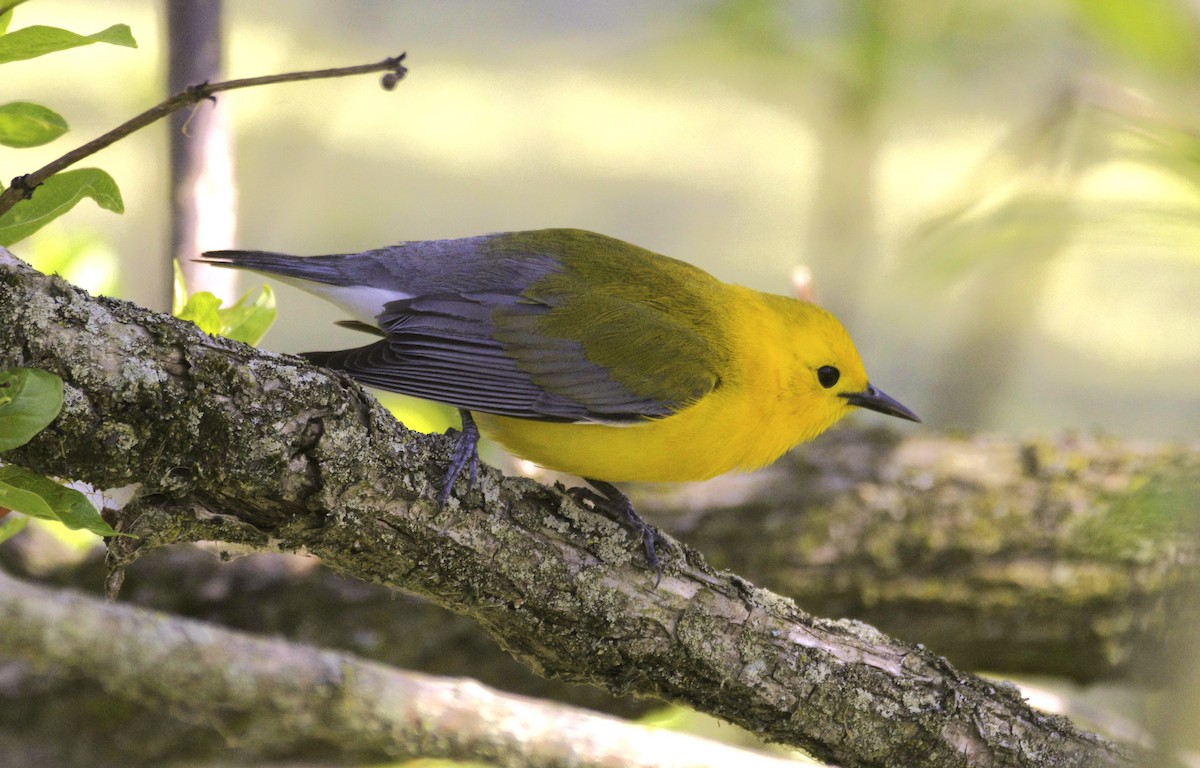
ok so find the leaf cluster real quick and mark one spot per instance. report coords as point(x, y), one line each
point(247, 320)
point(29, 400)
point(25, 124)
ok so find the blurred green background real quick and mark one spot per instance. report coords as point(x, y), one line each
point(1001, 198)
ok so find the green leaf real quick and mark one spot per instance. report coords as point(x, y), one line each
point(38, 40)
point(11, 525)
point(246, 321)
point(29, 400)
point(201, 309)
point(31, 494)
point(6, 9)
point(24, 124)
point(58, 195)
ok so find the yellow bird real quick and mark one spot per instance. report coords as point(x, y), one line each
point(588, 355)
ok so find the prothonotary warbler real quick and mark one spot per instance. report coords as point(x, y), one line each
point(588, 355)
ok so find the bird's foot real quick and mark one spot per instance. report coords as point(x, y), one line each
point(606, 498)
point(466, 454)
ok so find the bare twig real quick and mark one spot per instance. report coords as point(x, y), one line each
point(22, 187)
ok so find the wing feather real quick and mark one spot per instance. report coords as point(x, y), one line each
point(616, 339)
point(446, 348)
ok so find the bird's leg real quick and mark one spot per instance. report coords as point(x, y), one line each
point(465, 454)
point(610, 501)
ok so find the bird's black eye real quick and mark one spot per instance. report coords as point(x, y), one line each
point(828, 375)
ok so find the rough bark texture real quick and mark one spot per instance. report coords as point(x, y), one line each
point(254, 449)
point(268, 696)
point(297, 597)
point(1077, 557)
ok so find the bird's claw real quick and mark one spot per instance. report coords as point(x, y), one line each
point(606, 498)
point(609, 500)
point(464, 456)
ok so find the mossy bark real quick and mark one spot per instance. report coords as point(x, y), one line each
point(1075, 557)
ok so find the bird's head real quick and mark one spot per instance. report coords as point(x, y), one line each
point(828, 374)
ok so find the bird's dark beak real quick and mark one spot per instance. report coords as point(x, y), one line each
point(875, 399)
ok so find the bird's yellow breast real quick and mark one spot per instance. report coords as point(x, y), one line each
point(762, 407)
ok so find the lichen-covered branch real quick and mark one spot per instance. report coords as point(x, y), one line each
point(268, 695)
point(240, 446)
point(1076, 557)
point(296, 597)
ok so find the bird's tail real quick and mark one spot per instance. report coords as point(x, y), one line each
point(320, 269)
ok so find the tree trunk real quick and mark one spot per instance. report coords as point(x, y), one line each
point(203, 200)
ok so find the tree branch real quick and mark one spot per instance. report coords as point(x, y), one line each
point(1073, 557)
point(22, 187)
point(1077, 557)
point(309, 604)
point(250, 448)
point(268, 695)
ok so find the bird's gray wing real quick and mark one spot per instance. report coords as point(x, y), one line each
point(560, 325)
point(484, 352)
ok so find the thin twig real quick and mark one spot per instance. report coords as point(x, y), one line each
point(22, 187)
